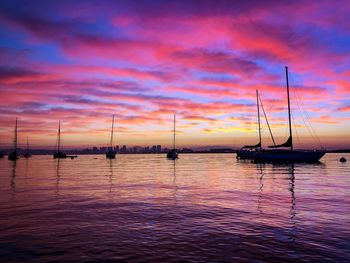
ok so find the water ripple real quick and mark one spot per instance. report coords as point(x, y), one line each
point(200, 208)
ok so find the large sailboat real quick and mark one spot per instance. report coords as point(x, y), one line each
point(278, 155)
point(110, 154)
point(172, 154)
point(27, 153)
point(58, 154)
point(13, 156)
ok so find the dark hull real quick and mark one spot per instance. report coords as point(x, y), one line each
point(27, 155)
point(59, 155)
point(13, 156)
point(280, 156)
point(246, 155)
point(1, 155)
point(110, 155)
point(172, 155)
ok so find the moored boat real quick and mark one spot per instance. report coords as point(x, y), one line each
point(27, 153)
point(58, 154)
point(248, 152)
point(13, 156)
point(288, 155)
point(173, 154)
point(110, 154)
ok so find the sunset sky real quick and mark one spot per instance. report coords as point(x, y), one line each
point(144, 61)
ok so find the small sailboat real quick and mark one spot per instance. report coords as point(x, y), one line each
point(1, 154)
point(288, 156)
point(58, 154)
point(13, 156)
point(110, 154)
point(172, 154)
point(27, 153)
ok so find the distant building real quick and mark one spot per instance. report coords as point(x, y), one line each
point(154, 149)
point(116, 149)
point(186, 150)
point(159, 148)
point(123, 149)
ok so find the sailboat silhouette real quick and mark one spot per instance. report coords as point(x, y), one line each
point(59, 154)
point(172, 154)
point(291, 155)
point(111, 153)
point(13, 156)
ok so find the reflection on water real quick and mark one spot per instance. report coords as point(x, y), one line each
point(58, 176)
point(198, 208)
point(13, 178)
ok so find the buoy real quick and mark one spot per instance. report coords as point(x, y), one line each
point(342, 160)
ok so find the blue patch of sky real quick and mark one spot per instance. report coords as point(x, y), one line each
point(203, 75)
point(49, 53)
point(12, 39)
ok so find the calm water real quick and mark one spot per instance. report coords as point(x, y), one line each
point(145, 208)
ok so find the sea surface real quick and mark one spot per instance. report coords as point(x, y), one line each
point(200, 208)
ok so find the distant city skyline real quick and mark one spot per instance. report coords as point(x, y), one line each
point(143, 61)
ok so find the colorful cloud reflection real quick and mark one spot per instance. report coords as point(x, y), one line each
point(82, 62)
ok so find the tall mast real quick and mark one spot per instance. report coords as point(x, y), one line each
point(289, 115)
point(15, 138)
point(112, 131)
point(174, 131)
point(27, 145)
point(59, 136)
point(257, 105)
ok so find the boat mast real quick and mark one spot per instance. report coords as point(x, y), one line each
point(267, 121)
point(174, 132)
point(257, 105)
point(59, 137)
point(27, 145)
point(15, 138)
point(112, 131)
point(289, 115)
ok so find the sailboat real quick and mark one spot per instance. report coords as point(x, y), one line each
point(58, 154)
point(172, 154)
point(13, 156)
point(1, 154)
point(249, 151)
point(288, 155)
point(110, 154)
point(27, 154)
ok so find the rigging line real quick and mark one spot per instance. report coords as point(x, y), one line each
point(302, 115)
point(308, 124)
point(314, 132)
point(268, 125)
point(295, 129)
